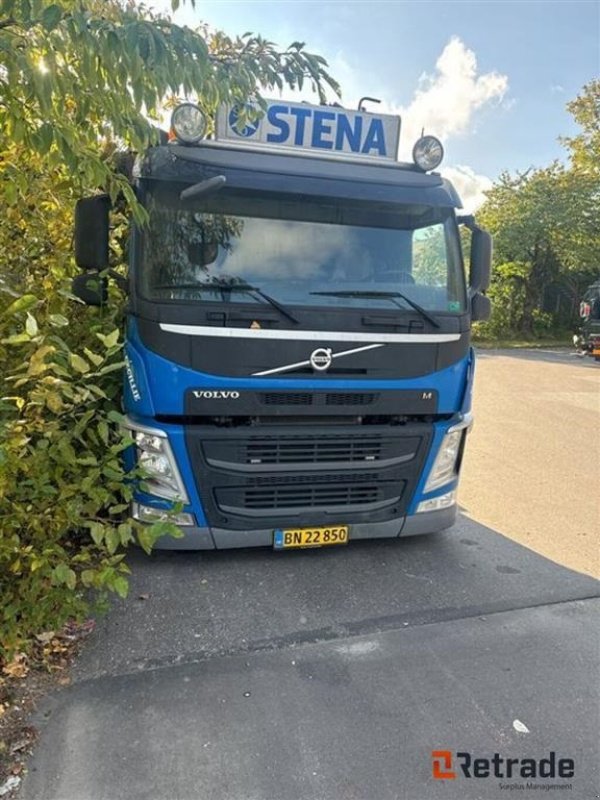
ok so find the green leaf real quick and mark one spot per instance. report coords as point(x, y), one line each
point(62, 574)
point(96, 532)
point(121, 586)
point(124, 531)
point(58, 321)
point(17, 338)
point(110, 339)
point(78, 363)
point(31, 325)
point(88, 577)
point(113, 540)
point(146, 540)
point(23, 303)
point(93, 357)
point(51, 16)
point(103, 431)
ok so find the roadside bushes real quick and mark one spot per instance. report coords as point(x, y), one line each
point(63, 491)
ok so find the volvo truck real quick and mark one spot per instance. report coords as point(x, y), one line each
point(298, 367)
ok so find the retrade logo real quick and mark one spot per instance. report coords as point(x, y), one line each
point(446, 765)
point(321, 359)
point(441, 765)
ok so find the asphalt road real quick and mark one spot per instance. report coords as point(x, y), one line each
point(255, 675)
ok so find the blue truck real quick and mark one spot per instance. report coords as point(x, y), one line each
point(298, 361)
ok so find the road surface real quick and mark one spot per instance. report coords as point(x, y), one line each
point(317, 675)
point(531, 469)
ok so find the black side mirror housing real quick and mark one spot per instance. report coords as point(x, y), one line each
point(481, 260)
point(481, 308)
point(91, 288)
point(91, 232)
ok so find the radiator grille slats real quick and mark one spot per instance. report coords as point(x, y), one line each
point(261, 475)
point(318, 398)
point(313, 451)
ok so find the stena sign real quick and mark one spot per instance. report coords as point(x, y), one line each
point(320, 130)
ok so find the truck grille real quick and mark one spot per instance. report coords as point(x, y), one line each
point(302, 496)
point(291, 474)
point(312, 451)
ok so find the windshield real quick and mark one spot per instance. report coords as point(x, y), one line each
point(300, 252)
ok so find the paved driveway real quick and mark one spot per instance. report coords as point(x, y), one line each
point(255, 675)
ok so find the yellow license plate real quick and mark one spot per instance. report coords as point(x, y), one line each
point(310, 537)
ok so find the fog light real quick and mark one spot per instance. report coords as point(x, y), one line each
point(428, 153)
point(438, 503)
point(150, 514)
point(188, 123)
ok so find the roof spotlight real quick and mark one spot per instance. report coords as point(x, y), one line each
point(188, 123)
point(428, 153)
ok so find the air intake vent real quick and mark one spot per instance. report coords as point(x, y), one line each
point(286, 398)
point(353, 399)
point(312, 451)
point(313, 496)
point(293, 480)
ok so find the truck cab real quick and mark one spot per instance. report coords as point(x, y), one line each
point(298, 359)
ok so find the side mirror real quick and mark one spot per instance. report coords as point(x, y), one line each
point(481, 260)
point(91, 232)
point(481, 308)
point(91, 288)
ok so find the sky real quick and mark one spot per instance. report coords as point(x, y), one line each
point(490, 79)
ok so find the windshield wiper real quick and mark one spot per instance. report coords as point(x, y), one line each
point(389, 295)
point(223, 285)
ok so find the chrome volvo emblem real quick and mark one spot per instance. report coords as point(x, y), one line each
point(320, 359)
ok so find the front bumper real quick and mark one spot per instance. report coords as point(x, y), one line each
point(210, 538)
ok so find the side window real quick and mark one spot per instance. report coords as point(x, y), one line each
point(430, 264)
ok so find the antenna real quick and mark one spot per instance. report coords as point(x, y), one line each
point(370, 99)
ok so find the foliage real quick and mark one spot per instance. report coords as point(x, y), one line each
point(585, 147)
point(548, 222)
point(62, 486)
point(73, 73)
point(78, 83)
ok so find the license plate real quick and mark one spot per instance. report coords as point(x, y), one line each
point(287, 538)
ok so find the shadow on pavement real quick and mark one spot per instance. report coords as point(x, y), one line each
point(251, 675)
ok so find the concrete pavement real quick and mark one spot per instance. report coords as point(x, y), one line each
point(531, 468)
point(326, 674)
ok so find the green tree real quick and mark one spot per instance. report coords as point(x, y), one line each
point(547, 220)
point(73, 73)
point(79, 81)
point(585, 147)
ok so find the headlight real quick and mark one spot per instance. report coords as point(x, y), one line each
point(428, 153)
point(444, 466)
point(188, 123)
point(156, 458)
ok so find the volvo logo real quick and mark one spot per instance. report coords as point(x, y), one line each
point(320, 359)
point(200, 395)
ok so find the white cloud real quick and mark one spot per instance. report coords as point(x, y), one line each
point(469, 185)
point(445, 102)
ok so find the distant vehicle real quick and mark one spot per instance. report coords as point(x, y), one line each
point(587, 340)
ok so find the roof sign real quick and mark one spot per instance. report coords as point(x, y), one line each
point(320, 130)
